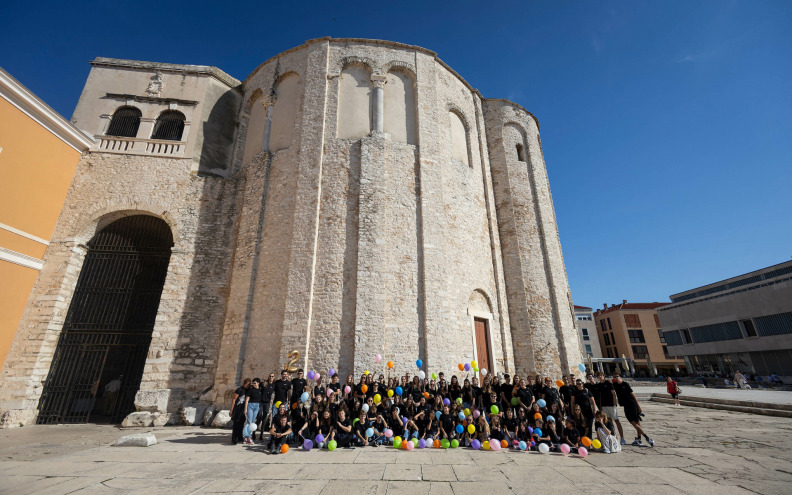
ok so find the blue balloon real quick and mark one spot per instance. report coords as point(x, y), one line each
point(459, 429)
point(304, 397)
point(582, 367)
point(461, 415)
point(550, 418)
point(541, 403)
point(419, 363)
point(370, 432)
point(399, 390)
point(438, 414)
point(538, 432)
point(523, 446)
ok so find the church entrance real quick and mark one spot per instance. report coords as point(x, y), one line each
point(98, 363)
point(482, 345)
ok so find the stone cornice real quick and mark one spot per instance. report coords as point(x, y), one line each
point(207, 70)
point(30, 104)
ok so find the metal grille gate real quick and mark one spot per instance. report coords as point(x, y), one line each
point(108, 328)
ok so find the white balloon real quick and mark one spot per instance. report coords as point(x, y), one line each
point(421, 375)
point(253, 426)
point(483, 371)
point(365, 408)
point(544, 448)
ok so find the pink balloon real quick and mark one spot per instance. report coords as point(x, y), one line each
point(476, 413)
point(329, 392)
point(347, 389)
point(564, 448)
point(317, 376)
point(388, 432)
point(582, 451)
point(495, 444)
point(410, 445)
point(378, 358)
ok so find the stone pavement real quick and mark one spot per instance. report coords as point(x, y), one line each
point(688, 392)
point(698, 451)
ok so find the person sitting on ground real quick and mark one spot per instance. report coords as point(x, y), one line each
point(571, 436)
point(279, 434)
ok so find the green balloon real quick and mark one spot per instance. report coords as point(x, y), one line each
point(397, 444)
point(358, 419)
point(454, 443)
point(515, 401)
point(445, 443)
point(331, 445)
point(415, 442)
point(494, 409)
point(459, 400)
point(434, 376)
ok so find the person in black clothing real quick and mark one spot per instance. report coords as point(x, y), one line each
point(632, 410)
point(505, 391)
point(447, 424)
point(342, 430)
point(319, 389)
point(593, 389)
point(280, 390)
point(265, 411)
point(525, 396)
point(359, 430)
point(566, 392)
point(571, 435)
point(279, 434)
point(476, 393)
point(252, 404)
point(297, 387)
point(550, 395)
point(238, 411)
point(395, 422)
point(588, 407)
point(608, 403)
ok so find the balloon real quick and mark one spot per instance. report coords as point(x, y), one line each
point(495, 445)
point(434, 376)
point(447, 401)
point(390, 393)
point(582, 452)
point(475, 444)
point(559, 383)
point(522, 445)
point(544, 448)
point(278, 404)
point(533, 443)
point(295, 405)
point(414, 441)
point(541, 403)
point(410, 445)
point(550, 418)
point(347, 389)
point(422, 444)
point(397, 438)
point(284, 448)
point(436, 444)
point(399, 391)
point(377, 358)
point(476, 370)
point(355, 421)
point(419, 363)
point(365, 408)
point(586, 441)
point(369, 432)
point(404, 444)
point(390, 364)
point(329, 392)
point(538, 432)
point(364, 388)
point(438, 414)
point(421, 375)
point(388, 433)
point(317, 376)
point(471, 429)
point(504, 444)
point(538, 416)
point(459, 400)
point(467, 367)
point(467, 412)
point(596, 444)
point(397, 442)
point(304, 397)
point(445, 443)
point(494, 409)
point(564, 448)
point(311, 375)
point(331, 445)
point(485, 445)
point(461, 415)
point(530, 430)
point(473, 364)
point(426, 394)
point(330, 372)
point(582, 367)
point(252, 426)
point(307, 445)
point(514, 401)
point(484, 371)
point(454, 443)
point(377, 398)
point(461, 367)
point(319, 438)
point(476, 413)
point(460, 429)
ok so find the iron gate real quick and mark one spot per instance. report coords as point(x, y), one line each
point(108, 327)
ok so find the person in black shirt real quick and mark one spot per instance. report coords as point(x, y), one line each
point(447, 424)
point(525, 396)
point(632, 410)
point(566, 392)
point(510, 426)
point(550, 395)
point(395, 423)
point(593, 389)
point(265, 411)
point(279, 434)
point(342, 431)
point(359, 430)
point(297, 387)
point(588, 407)
point(476, 393)
point(238, 411)
point(280, 389)
point(571, 435)
point(319, 388)
point(505, 392)
point(252, 404)
point(608, 398)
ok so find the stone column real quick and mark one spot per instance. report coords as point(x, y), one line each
point(379, 101)
point(269, 104)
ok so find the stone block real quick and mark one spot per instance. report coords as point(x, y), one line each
point(137, 420)
point(136, 440)
point(208, 415)
point(192, 415)
point(160, 419)
point(222, 420)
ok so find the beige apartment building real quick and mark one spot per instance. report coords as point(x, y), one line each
point(633, 330)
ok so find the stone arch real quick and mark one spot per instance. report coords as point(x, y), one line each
point(256, 126)
point(355, 101)
point(399, 65)
point(284, 114)
point(459, 131)
point(479, 302)
point(401, 106)
point(515, 142)
point(99, 219)
point(345, 62)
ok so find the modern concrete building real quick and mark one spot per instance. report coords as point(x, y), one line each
point(349, 197)
point(584, 322)
point(742, 323)
point(633, 331)
point(39, 151)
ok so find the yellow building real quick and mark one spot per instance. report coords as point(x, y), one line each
point(39, 151)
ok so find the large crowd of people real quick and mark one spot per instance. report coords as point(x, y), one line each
point(526, 413)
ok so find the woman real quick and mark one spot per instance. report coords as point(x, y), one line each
point(319, 389)
point(454, 390)
point(580, 422)
point(395, 423)
point(467, 394)
point(252, 404)
point(238, 412)
point(325, 427)
point(673, 389)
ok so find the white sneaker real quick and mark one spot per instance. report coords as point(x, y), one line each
point(606, 451)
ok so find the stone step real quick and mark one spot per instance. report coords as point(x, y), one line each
point(695, 402)
point(731, 402)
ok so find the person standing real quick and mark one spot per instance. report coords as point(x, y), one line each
point(265, 411)
point(237, 412)
point(252, 404)
point(632, 410)
point(297, 387)
point(585, 400)
point(608, 400)
point(281, 390)
point(673, 389)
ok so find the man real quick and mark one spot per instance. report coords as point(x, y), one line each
point(335, 387)
point(566, 392)
point(281, 390)
point(297, 387)
point(505, 391)
point(583, 398)
point(265, 411)
point(632, 410)
point(608, 403)
point(279, 434)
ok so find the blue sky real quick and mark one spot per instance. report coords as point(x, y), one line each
point(665, 125)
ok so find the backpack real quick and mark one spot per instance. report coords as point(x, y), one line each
point(615, 446)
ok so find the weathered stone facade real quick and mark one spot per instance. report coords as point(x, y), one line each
point(432, 210)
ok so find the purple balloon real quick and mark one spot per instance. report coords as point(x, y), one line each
point(447, 402)
point(404, 420)
point(530, 430)
point(475, 444)
point(311, 375)
point(533, 444)
point(319, 438)
point(307, 444)
point(467, 367)
point(330, 372)
point(422, 444)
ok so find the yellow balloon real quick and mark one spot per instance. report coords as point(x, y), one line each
point(473, 364)
point(485, 445)
point(467, 412)
point(377, 399)
point(277, 404)
point(596, 444)
point(397, 439)
point(366, 372)
point(471, 429)
point(390, 393)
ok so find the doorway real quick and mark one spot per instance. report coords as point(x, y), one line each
point(98, 363)
point(483, 351)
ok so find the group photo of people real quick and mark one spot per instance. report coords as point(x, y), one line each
point(574, 414)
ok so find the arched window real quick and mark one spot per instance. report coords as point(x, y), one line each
point(520, 153)
point(460, 149)
point(169, 126)
point(354, 102)
point(400, 107)
point(125, 122)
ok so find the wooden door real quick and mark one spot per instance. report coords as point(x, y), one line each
point(482, 345)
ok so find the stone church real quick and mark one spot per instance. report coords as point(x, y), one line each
point(350, 197)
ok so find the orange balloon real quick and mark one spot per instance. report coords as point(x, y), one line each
point(364, 388)
point(586, 441)
point(284, 448)
point(426, 394)
point(461, 367)
point(390, 364)
point(404, 445)
point(437, 444)
point(537, 416)
point(559, 383)
point(295, 405)
point(504, 444)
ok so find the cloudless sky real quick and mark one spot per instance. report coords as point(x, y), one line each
point(665, 125)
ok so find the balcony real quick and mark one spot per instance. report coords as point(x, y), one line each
point(138, 146)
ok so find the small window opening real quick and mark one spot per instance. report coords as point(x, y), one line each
point(520, 153)
point(169, 126)
point(125, 122)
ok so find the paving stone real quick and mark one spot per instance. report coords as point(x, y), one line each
point(342, 487)
point(438, 472)
point(482, 487)
point(403, 472)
